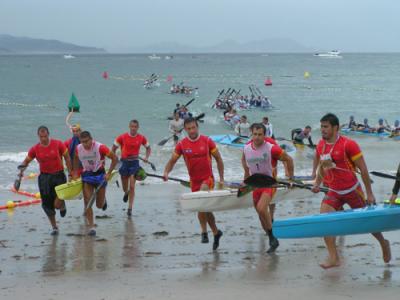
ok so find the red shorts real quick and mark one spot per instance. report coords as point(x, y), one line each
point(258, 193)
point(354, 199)
point(195, 185)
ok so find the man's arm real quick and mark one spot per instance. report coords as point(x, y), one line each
point(289, 165)
point(147, 155)
point(245, 167)
point(114, 161)
point(310, 141)
point(220, 164)
point(170, 165)
point(24, 165)
point(67, 160)
point(362, 166)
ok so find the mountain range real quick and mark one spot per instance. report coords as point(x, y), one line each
point(25, 45)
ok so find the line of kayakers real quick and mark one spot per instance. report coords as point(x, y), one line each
point(183, 89)
point(381, 127)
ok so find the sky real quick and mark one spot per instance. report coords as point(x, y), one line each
point(348, 25)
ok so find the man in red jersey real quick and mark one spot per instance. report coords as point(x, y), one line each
point(337, 158)
point(49, 153)
point(197, 151)
point(130, 143)
point(71, 145)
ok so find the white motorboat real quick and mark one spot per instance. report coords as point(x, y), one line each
point(68, 56)
point(333, 54)
point(154, 57)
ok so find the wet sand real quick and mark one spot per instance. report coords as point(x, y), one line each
point(158, 253)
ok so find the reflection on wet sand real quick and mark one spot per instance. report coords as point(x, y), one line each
point(55, 258)
point(130, 250)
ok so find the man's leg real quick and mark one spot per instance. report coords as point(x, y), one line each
point(132, 183)
point(385, 245)
point(330, 242)
point(87, 194)
point(125, 187)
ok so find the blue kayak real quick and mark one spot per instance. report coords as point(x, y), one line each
point(377, 218)
point(239, 142)
point(348, 131)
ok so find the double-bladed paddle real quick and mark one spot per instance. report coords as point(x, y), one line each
point(153, 167)
point(384, 175)
point(265, 181)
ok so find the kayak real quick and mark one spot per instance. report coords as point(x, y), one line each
point(71, 190)
point(348, 131)
point(397, 201)
point(230, 140)
point(235, 141)
point(376, 218)
point(226, 199)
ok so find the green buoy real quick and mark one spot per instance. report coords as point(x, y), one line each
point(73, 105)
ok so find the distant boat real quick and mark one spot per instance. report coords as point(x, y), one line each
point(68, 56)
point(168, 57)
point(268, 81)
point(153, 57)
point(333, 54)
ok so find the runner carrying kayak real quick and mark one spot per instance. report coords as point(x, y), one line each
point(336, 159)
point(130, 171)
point(91, 155)
point(197, 151)
point(298, 135)
point(261, 157)
point(268, 127)
point(49, 153)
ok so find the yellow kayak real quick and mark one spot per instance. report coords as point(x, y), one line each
point(71, 190)
point(397, 201)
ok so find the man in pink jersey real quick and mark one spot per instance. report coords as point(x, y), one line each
point(337, 158)
point(197, 151)
point(261, 157)
point(91, 155)
point(49, 153)
point(130, 143)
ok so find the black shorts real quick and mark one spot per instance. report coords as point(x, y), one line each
point(47, 184)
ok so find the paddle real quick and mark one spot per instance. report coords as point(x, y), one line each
point(153, 167)
point(17, 182)
point(220, 93)
point(384, 175)
point(265, 181)
point(187, 104)
point(181, 181)
point(93, 197)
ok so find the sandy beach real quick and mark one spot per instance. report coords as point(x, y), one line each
point(158, 253)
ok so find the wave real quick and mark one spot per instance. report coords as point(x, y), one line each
point(12, 156)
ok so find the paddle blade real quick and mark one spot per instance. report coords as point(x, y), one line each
point(17, 183)
point(200, 116)
point(384, 175)
point(244, 190)
point(260, 181)
point(153, 167)
point(163, 142)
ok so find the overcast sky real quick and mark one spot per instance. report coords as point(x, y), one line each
point(349, 25)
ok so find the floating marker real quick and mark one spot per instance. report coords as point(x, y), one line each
point(268, 81)
point(306, 74)
point(73, 105)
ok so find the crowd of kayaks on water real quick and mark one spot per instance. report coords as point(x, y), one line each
point(383, 128)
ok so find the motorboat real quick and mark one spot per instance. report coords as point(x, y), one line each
point(68, 56)
point(154, 57)
point(333, 53)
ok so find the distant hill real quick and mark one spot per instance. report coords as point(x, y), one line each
point(24, 45)
point(229, 46)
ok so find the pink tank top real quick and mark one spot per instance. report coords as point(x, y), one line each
point(258, 160)
point(90, 159)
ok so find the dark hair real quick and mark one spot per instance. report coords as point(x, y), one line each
point(190, 120)
point(85, 134)
point(308, 127)
point(331, 119)
point(43, 128)
point(134, 121)
point(258, 126)
point(266, 118)
point(244, 117)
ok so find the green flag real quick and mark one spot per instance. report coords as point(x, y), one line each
point(73, 105)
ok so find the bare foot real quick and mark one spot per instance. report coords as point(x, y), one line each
point(387, 254)
point(330, 263)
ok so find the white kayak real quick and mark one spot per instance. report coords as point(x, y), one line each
point(226, 199)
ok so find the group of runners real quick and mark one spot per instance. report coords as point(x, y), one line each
point(336, 160)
